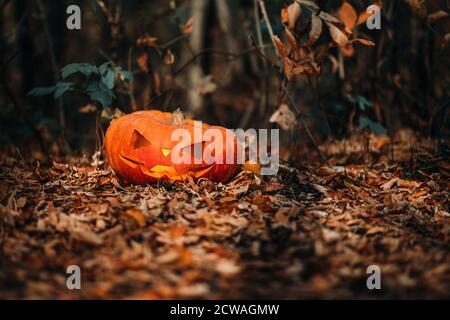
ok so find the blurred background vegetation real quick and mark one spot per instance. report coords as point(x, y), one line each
point(215, 60)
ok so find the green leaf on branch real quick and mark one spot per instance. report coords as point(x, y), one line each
point(85, 68)
point(99, 92)
point(61, 88)
point(57, 90)
point(374, 127)
point(109, 79)
point(41, 91)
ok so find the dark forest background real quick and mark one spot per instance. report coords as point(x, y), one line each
point(214, 59)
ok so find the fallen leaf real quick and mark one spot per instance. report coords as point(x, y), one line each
point(375, 230)
point(252, 167)
point(388, 185)
point(86, 236)
point(137, 216)
point(281, 216)
point(21, 202)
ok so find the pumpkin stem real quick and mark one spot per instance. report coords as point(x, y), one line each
point(177, 117)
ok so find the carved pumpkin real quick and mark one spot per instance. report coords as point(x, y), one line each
point(138, 147)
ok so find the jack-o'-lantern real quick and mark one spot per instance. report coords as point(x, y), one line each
point(139, 148)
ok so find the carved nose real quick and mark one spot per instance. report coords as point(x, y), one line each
point(165, 151)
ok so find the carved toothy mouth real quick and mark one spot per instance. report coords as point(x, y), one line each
point(160, 171)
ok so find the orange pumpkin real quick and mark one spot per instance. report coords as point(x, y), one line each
point(138, 147)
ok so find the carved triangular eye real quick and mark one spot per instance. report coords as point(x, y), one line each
point(139, 141)
point(166, 151)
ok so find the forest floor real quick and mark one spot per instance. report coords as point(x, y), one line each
point(309, 232)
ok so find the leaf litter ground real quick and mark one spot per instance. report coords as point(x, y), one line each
point(309, 232)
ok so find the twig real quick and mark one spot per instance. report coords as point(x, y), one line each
point(311, 137)
point(293, 104)
point(131, 84)
point(264, 105)
point(230, 55)
point(267, 21)
point(319, 103)
point(273, 64)
point(173, 41)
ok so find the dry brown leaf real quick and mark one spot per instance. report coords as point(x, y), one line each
point(334, 63)
point(408, 183)
point(337, 34)
point(89, 108)
point(288, 66)
point(447, 38)
point(193, 291)
point(86, 236)
point(420, 193)
point(227, 267)
point(376, 230)
point(169, 58)
point(309, 4)
point(330, 236)
point(319, 213)
point(329, 18)
point(282, 50)
point(177, 231)
point(320, 188)
point(168, 257)
point(316, 28)
point(137, 216)
point(21, 202)
point(348, 15)
point(284, 117)
point(147, 41)
point(273, 186)
point(388, 185)
point(206, 85)
point(292, 14)
point(363, 41)
point(348, 51)
point(362, 18)
point(281, 215)
point(291, 39)
point(142, 62)
point(185, 257)
point(326, 171)
point(437, 16)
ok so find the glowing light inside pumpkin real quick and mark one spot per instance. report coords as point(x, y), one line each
point(165, 151)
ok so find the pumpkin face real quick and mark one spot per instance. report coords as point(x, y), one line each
point(139, 148)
